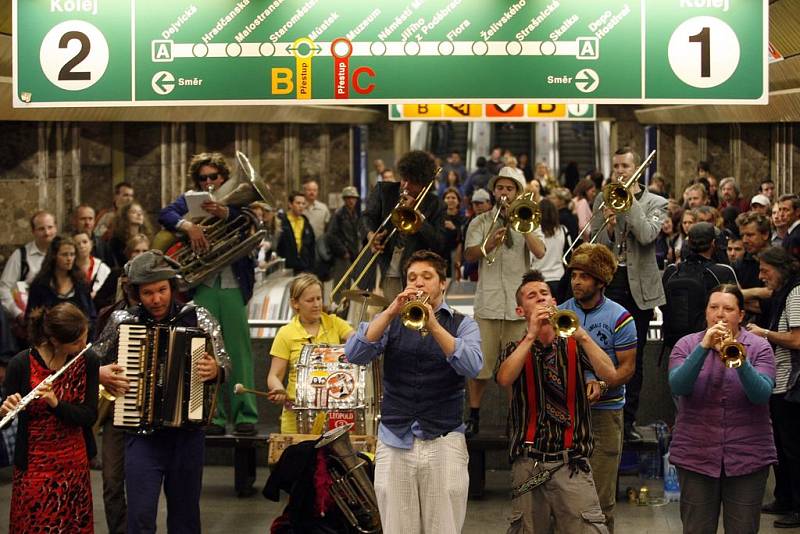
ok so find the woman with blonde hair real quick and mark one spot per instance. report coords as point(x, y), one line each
point(309, 325)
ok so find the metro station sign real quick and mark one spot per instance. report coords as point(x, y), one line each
point(240, 52)
point(523, 112)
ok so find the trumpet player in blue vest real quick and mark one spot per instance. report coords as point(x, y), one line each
point(429, 349)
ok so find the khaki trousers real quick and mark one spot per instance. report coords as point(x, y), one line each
point(568, 503)
point(423, 489)
point(607, 433)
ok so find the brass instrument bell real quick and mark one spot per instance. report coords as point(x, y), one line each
point(617, 197)
point(414, 314)
point(407, 219)
point(731, 352)
point(524, 216)
point(564, 322)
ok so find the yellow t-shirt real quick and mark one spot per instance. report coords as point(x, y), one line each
point(289, 342)
point(297, 229)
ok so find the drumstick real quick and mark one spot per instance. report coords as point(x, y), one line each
point(239, 389)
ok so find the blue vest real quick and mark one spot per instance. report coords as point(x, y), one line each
point(418, 382)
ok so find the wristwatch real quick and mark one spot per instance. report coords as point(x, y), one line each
point(603, 386)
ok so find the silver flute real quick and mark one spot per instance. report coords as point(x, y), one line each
point(34, 394)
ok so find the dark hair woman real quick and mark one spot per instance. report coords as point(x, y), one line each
point(61, 280)
point(132, 220)
point(454, 238)
point(555, 236)
point(731, 474)
point(52, 490)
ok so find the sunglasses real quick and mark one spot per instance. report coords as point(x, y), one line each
point(204, 177)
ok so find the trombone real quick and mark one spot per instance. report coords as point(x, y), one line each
point(524, 216)
point(406, 220)
point(616, 196)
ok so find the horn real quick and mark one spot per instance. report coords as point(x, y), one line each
point(352, 490)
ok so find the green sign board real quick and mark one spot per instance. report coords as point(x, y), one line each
point(198, 52)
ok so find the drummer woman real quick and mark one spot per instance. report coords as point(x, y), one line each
point(309, 325)
point(52, 490)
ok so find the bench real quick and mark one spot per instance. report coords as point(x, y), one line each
point(488, 439)
point(244, 458)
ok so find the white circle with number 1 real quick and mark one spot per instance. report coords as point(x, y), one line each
point(704, 52)
point(74, 55)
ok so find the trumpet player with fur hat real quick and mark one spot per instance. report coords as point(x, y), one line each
point(503, 256)
point(428, 349)
point(611, 326)
point(551, 429)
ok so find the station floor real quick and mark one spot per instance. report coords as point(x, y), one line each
point(223, 512)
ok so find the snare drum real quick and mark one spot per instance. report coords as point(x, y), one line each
point(326, 382)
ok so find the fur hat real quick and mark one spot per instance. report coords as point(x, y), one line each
point(515, 175)
point(596, 260)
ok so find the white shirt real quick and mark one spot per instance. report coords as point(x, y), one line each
point(550, 265)
point(11, 272)
point(318, 215)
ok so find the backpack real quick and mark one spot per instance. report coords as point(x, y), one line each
point(24, 269)
point(686, 293)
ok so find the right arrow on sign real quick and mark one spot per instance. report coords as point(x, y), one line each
point(587, 80)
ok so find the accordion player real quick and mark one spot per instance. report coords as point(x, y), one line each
point(165, 389)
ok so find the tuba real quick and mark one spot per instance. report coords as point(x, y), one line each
point(414, 314)
point(228, 240)
point(564, 322)
point(731, 352)
point(352, 490)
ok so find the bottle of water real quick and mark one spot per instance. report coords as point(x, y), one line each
point(672, 490)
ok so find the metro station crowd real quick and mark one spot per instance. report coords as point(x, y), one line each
point(721, 268)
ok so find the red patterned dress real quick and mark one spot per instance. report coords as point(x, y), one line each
point(54, 495)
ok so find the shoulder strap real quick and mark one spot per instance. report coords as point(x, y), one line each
point(572, 369)
point(24, 269)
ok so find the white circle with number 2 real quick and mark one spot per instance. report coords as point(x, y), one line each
point(685, 56)
point(74, 55)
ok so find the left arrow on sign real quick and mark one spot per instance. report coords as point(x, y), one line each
point(163, 82)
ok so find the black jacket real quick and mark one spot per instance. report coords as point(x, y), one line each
point(18, 380)
point(287, 246)
point(343, 234)
point(380, 203)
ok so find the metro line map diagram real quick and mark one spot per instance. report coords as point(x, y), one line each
point(185, 52)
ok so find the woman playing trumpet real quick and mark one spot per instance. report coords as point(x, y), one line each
point(52, 491)
point(309, 325)
point(722, 442)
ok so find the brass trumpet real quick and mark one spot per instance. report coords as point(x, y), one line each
point(565, 322)
point(616, 196)
point(524, 216)
point(414, 314)
point(406, 220)
point(731, 352)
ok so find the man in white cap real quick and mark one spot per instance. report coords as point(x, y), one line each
point(495, 297)
point(760, 204)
